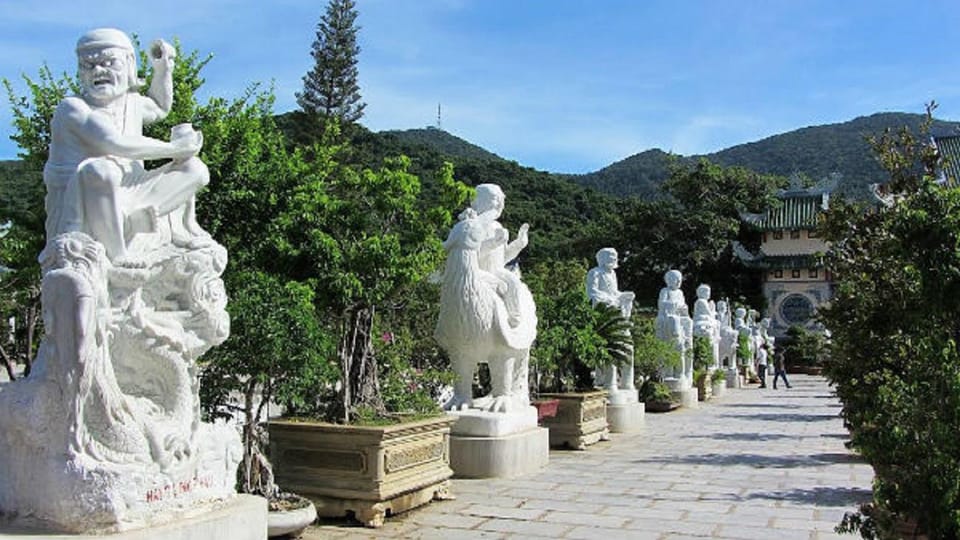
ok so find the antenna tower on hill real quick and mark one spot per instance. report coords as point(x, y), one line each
point(439, 123)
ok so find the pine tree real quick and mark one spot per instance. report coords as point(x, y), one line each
point(330, 89)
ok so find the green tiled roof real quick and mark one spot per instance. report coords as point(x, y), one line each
point(798, 210)
point(949, 148)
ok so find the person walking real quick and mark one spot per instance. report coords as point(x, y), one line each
point(762, 365)
point(779, 369)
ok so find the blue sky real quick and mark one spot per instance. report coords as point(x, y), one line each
point(560, 85)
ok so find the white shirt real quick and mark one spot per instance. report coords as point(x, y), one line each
point(762, 357)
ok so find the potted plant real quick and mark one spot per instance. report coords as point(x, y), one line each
point(718, 379)
point(574, 340)
point(804, 350)
point(657, 397)
point(702, 361)
point(651, 355)
point(275, 345)
point(364, 240)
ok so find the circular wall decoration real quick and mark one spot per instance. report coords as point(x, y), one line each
point(796, 309)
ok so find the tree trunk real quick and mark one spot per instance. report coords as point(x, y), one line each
point(361, 385)
point(7, 363)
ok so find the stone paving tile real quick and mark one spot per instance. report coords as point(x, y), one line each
point(595, 533)
point(582, 518)
point(751, 465)
point(504, 513)
point(527, 529)
point(567, 506)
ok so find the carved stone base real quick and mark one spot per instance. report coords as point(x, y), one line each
point(687, 398)
point(581, 419)
point(734, 380)
point(243, 517)
point(500, 457)
point(625, 418)
point(372, 513)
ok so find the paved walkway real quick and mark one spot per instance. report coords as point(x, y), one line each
point(751, 464)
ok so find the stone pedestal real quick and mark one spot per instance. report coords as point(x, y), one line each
point(496, 445)
point(625, 418)
point(624, 410)
point(502, 456)
point(243, 517)
point(687, 397)
point(733, 378)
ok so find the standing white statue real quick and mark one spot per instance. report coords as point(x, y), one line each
point(105, 434)
point(673, 324)
point(705, 322)
point(602, 288)
point(487, 314)
point(728, 335)
point(767, 338)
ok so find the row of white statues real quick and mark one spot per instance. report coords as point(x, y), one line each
point(106, 433)
point(711, 320)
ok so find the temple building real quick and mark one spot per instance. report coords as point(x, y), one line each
point(795, 282)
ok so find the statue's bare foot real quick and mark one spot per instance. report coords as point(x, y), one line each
point(458, 403)
point(501, 404)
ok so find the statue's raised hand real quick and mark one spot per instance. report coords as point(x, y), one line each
point(162, 54)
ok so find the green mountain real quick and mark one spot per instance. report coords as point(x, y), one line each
point(440, 141)
point(816, 152)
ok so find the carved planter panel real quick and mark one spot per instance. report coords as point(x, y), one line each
point(581, 419)
point(366, 470)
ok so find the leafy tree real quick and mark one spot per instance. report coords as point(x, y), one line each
point(363, 238)
point(276, 350)
point(895, 324)
point(22, 211)
point(692, 230)
point(331, 89)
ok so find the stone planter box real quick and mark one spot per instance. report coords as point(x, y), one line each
point(369, 471)
point(581, 419)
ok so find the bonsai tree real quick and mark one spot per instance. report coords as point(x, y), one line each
point(276, 348)
point(362, 238)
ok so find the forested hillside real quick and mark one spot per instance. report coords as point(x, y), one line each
point(815, 151)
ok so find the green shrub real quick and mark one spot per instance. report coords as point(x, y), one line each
point(655, 392)
point(651, 354)
point(702, 353)
point(894, 363)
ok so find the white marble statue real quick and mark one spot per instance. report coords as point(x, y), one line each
point(601, 284)
point(95, 178)
point(705, 322)
point(673, 324)
point(487, 314)
point(744, 329)
point(728, 335)
point(766, 337)
point(105, 434)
